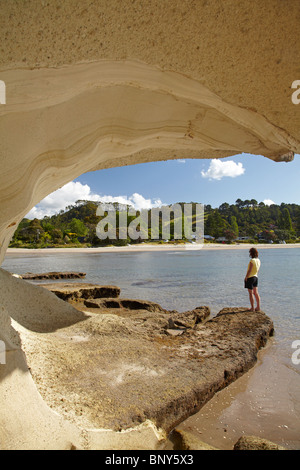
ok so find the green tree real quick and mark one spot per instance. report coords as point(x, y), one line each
point(282, 234)
point(234, 226)
point(214, 224)
point(285, 221)
point(32, 232)
point(78, 227)
point(56, 235)
point(239, 203)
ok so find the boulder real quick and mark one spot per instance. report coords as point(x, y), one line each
point(186, 440)
point(256, 443)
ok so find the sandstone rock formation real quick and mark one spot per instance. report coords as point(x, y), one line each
point(93, 85)
point(256, 443)
point(80, 291)
point(186, 440)
point(132, 304)
point(112, 371)
point(99, 84)
point(51, 275)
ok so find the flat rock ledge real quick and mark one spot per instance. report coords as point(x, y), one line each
point(119, 367)
point(80, 291)
point(51, 275)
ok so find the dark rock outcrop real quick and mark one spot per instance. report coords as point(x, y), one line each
point(132, 304)
point(52, 275)
point(78, 291)
point(256, 443)
point(186, 440)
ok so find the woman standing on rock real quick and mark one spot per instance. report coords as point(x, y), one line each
point(251, 279)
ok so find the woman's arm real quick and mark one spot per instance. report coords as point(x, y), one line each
point(248, 271)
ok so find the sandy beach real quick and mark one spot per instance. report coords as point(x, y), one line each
point(149, 247)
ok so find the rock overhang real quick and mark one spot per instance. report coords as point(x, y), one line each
point(98, 84)
point(93, 85)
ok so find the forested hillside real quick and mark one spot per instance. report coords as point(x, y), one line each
point(243, 221)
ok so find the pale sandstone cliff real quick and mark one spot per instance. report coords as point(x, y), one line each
point(98, 84)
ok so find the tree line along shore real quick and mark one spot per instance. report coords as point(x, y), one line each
point(244, 222)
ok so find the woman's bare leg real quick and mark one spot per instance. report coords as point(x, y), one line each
point(257, 297)
point(251, 298)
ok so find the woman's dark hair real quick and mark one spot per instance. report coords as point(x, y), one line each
point(253, 252)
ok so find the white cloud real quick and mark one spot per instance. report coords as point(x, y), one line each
point(72, 192)
point(218, 169)
point(180, 160)
point(268, 202)
point(136, 200)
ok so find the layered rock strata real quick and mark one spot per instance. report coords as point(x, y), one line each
point(81, 291)
point(91, 85)
point(139, 83)
point(51, 275)
point(114, 371)
point(99, 372)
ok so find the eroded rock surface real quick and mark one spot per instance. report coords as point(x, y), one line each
point(52, 275)
point(79, 291)
point(116, 371)
point(256, 443)
point(195, 80)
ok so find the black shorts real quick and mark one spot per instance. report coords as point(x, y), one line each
point(251, 282)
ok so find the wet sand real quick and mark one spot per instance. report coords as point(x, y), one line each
point(261, 403)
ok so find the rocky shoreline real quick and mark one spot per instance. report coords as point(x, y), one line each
point(134, 361)
point(51, 276)
point(97, 377)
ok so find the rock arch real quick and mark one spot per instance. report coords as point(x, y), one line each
point(92, 85)
point(60, 123)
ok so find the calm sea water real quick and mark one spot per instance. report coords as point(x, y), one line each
point(184, 280)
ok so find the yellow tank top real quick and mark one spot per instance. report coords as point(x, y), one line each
point(255, 265)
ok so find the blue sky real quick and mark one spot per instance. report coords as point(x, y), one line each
point(204, 181)
point(183, 181)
